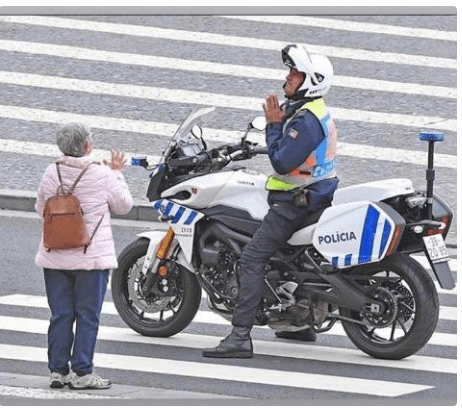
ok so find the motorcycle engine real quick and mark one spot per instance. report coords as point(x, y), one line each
point(283, 307)
point(218, 270)
point(304, 313)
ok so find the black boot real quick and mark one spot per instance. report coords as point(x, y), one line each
point(302, 335)
point(237, 345)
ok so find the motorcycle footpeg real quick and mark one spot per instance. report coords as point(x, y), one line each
point(327, 269)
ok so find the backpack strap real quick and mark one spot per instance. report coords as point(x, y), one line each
point(94, 232)
point(59, 173)
point(78, 178)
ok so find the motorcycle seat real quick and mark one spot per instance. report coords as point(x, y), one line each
point(373, 191)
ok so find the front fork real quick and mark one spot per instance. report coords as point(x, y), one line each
point(153, 266)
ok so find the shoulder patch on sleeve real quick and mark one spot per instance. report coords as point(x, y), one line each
point(293, 133)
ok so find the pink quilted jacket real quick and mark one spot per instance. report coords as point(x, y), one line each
point(99, 189)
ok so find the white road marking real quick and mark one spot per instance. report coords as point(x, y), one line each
point(229, 373)
point(378, 85)
point(424, 262)
point(440, 339)
point(372, 28)
point(418, 158)
point(278, 348)
point(217, 68)
point(233, 41)
point(200, 98)
point(51, 150)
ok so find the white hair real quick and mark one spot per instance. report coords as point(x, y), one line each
point(72, 139)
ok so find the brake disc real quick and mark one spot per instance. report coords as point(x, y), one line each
point(406, 300)
point(135, 280)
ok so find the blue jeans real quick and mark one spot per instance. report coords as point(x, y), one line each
point(74, 296)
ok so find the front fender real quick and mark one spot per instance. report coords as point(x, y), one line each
point(155, 237)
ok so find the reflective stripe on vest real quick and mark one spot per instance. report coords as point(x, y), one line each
point(320, 164)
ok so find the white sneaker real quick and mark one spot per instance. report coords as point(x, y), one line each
point(58, 380)
point(89, 382)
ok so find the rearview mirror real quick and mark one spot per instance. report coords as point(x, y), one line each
point(259, 123)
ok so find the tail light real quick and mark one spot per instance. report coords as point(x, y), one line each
point(395, 240)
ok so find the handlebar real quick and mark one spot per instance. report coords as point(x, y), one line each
point(220, 157)
point(260, 150)
point(244, 152)
point(190, 160)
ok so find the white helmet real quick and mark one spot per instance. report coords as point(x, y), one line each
point(318, 70)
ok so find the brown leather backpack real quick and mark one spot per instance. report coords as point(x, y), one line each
point(64, 226)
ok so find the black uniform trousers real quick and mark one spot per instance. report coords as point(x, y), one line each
point(281, 221)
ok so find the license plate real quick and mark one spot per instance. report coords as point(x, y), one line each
point(436, 248)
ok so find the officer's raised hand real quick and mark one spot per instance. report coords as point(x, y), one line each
point(273, 112)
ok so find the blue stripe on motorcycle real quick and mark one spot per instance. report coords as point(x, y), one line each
point(157, 204)
point(348, 259)
point(385, 235)
point(335, 261)
point(168, 208)
point(368, 235)
point(191, 218)
point(178, 215)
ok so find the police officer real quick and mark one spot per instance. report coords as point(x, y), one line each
point(301, 138)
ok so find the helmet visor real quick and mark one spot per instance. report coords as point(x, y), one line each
point(286, 58)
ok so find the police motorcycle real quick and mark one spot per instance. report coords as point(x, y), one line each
point(350, 263)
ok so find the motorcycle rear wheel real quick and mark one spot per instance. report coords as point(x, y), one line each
point(412, 309)
point(161, 317)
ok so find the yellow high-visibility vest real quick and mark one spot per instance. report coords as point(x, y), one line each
point(320, 164)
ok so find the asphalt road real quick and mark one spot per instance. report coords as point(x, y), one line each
point(133, 79)
point(177, 364)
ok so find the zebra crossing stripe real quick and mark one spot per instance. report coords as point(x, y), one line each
point(272, 348)
point(418, 158)
point(186, 65)
point(208, 317)
point(232, 373)
point(349, 25)
point(231, 41)
point(213, 99)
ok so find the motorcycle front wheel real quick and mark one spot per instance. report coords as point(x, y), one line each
point(154, 316)
point(410, 314)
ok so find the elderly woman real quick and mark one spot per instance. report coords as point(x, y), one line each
point(75, 280)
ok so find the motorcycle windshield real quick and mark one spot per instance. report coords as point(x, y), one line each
point(194, 118)
point(183, 132)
